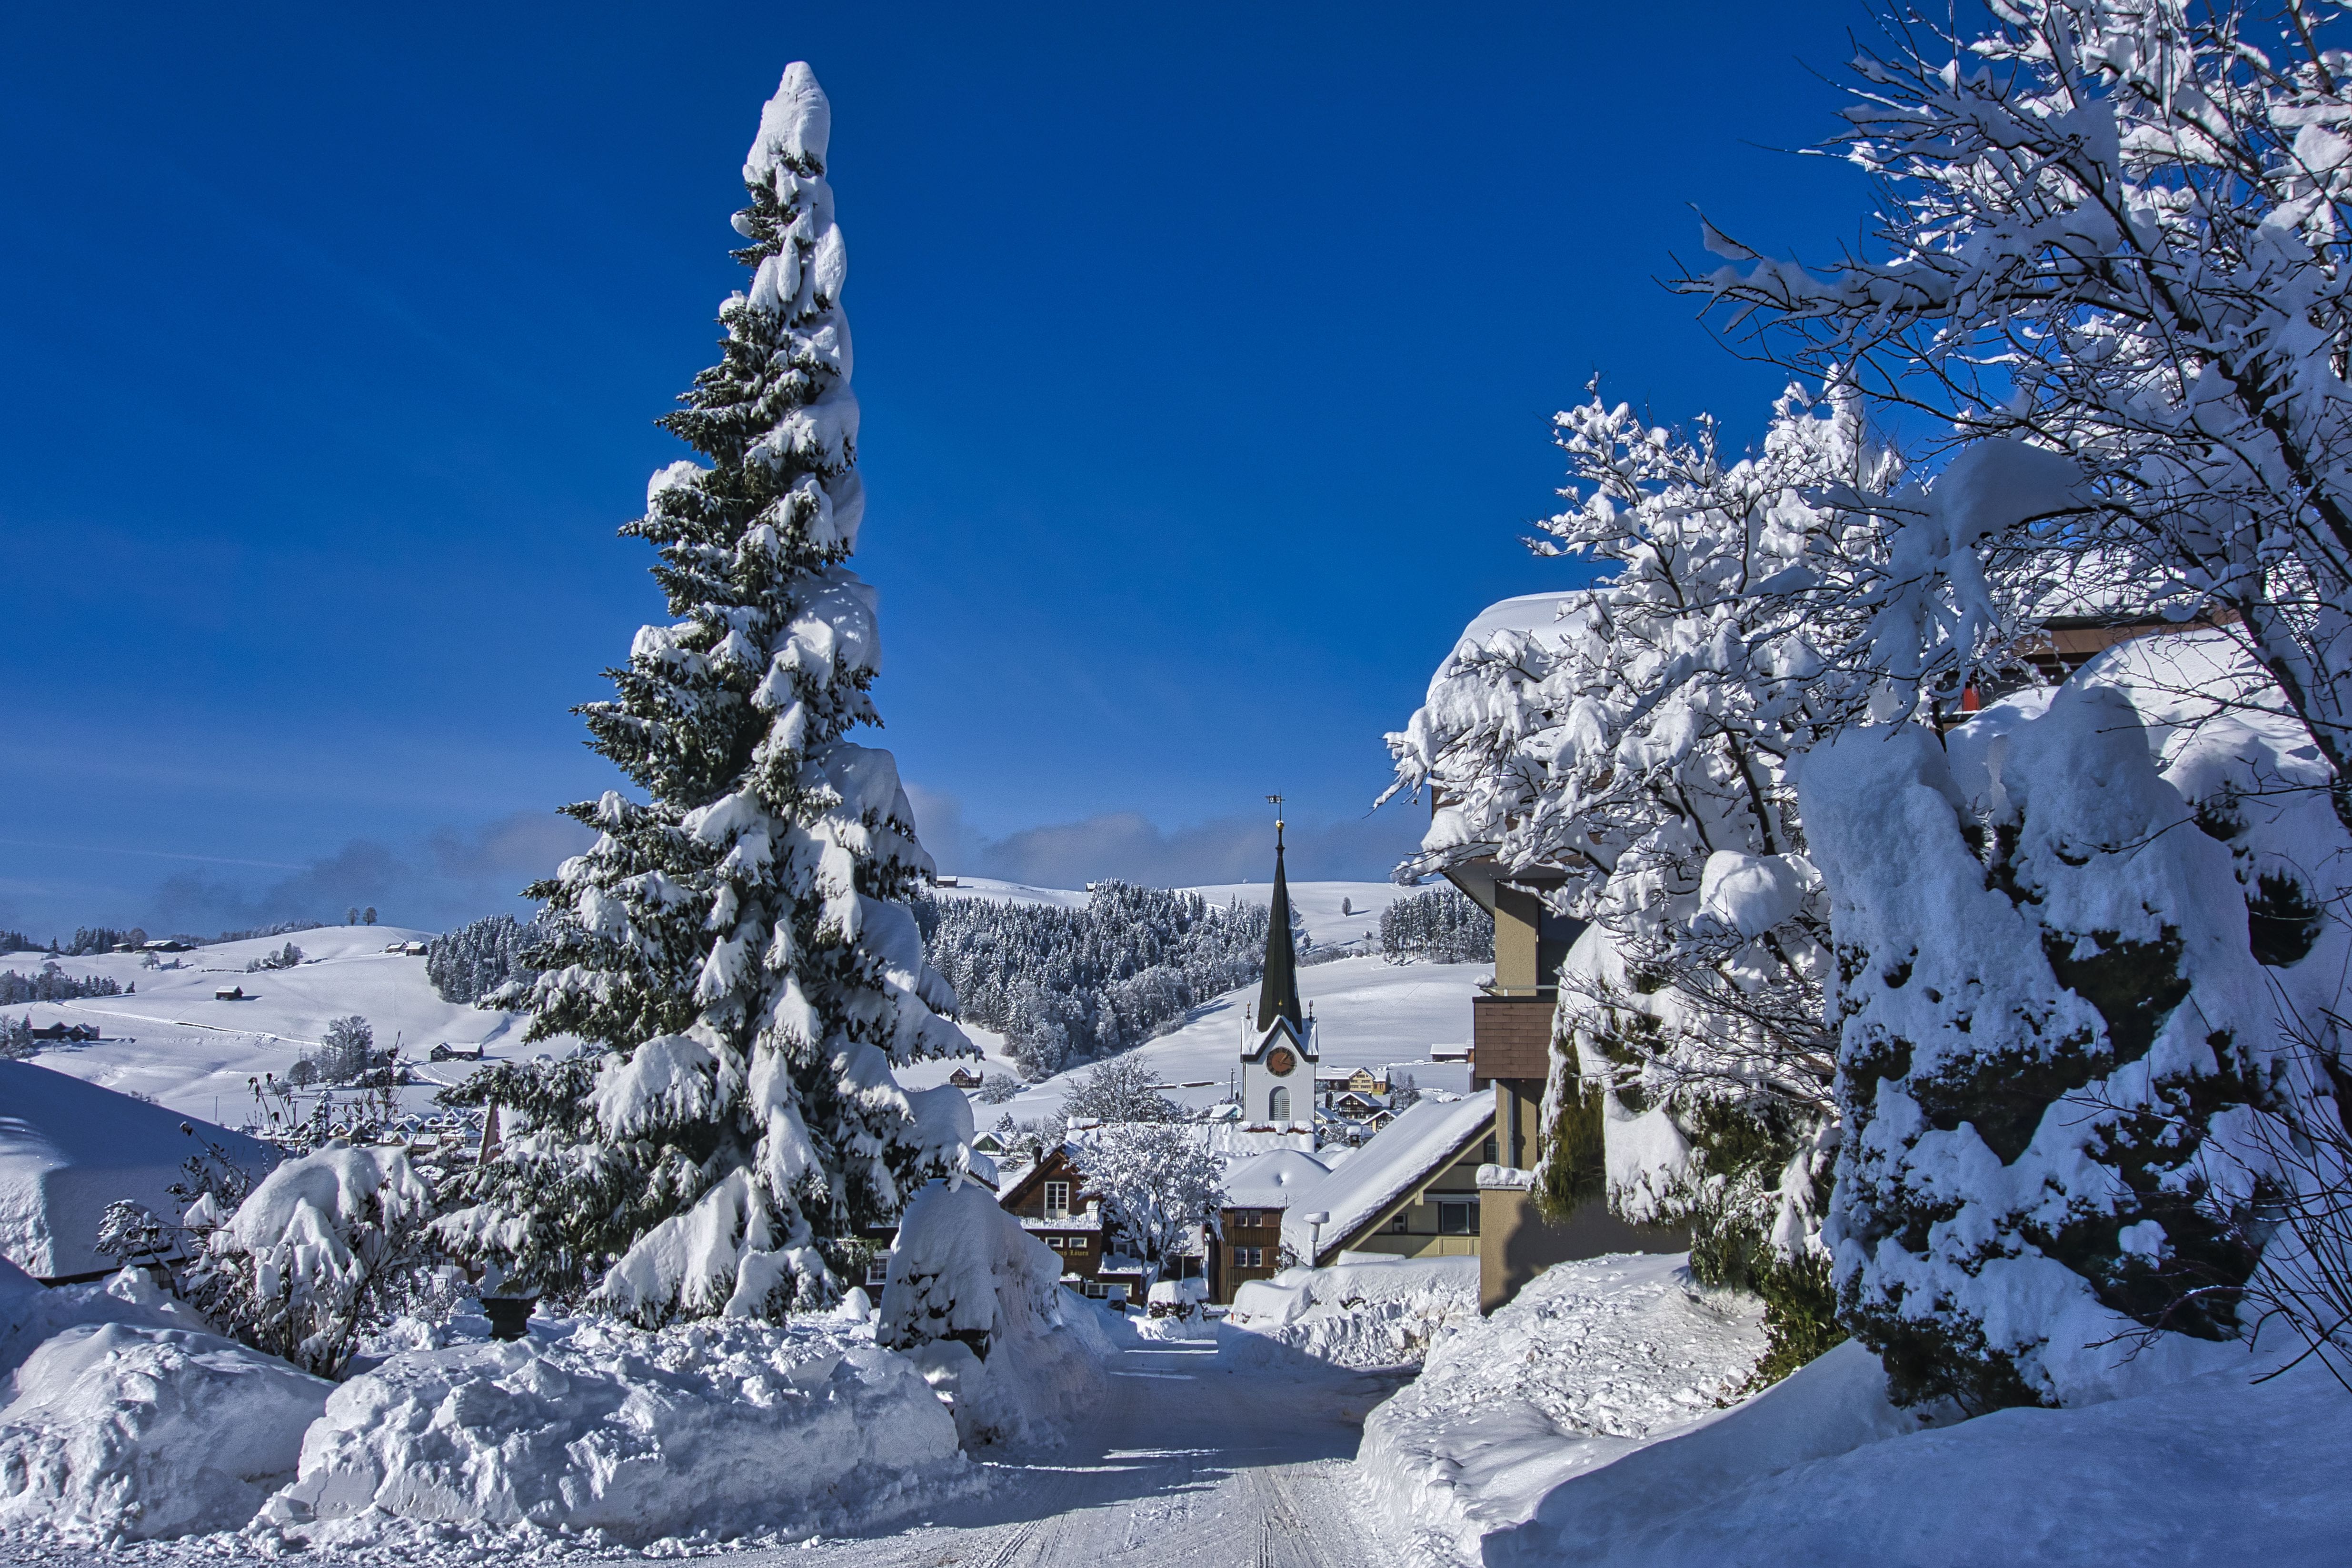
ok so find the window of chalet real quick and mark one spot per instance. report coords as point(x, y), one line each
point(1057, 1200)
point(1457, 1219)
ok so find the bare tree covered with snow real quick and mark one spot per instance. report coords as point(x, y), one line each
point(1641, 743)
point(2112, 259)
point(1155, 1183)
point(1124, 1089)
point(736, 948)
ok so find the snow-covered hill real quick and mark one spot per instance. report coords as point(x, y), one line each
point(173, 1041)
point(1369, 1014)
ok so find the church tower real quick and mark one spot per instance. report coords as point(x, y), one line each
point(1279, 1048)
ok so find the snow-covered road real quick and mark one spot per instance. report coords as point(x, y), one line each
point(1222, 1460)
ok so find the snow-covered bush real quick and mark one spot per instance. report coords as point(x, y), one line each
point(2057, 1054)
point(116, 1432)
point(313, 1256)
point(736, 948)
point(726, 1429)
point(997, 1088)
point(1438, 924)
point(977, 1303)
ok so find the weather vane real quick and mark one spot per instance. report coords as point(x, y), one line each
point(1276, 801)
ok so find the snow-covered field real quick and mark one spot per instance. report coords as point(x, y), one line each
point(175, 1043)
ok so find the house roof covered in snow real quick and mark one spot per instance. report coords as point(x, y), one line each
point(68, 1148)
point(1424, 1140)
point(1269, 1181)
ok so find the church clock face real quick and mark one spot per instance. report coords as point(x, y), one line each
point(1280, 1061)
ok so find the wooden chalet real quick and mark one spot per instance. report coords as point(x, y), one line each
point(1052, 1204)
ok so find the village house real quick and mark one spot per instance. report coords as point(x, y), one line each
point(1052, 1204)
point(964, 1078)
point(1258, 1190)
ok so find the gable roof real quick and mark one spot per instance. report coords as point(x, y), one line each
point(1421, 1142)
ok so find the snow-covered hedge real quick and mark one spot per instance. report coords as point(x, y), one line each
point(977, 1303)
point(306, 1259)
point(727, 1428)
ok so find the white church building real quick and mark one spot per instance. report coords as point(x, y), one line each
point(1278, 1050)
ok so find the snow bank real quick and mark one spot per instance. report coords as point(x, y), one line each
point(977, 1303)
point(124, 1432)
point(723, 1429)
point(1383, 1312)
point(1594, 1360)
point(32, 1313)
point(1820, 1469)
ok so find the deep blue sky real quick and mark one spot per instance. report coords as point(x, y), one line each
point(1206, 356)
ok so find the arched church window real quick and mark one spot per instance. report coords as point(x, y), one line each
point(1277, 1106)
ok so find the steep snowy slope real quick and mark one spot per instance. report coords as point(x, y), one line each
point(174, 1042)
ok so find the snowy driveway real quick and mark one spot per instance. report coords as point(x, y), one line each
point(1197, 1457)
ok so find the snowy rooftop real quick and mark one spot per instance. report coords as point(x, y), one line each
point(1269, 1181)
point(1527, 612)
point(1404, 1154)
point(70, 1148)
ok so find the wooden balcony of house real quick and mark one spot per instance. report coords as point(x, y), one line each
point(1510, 1034)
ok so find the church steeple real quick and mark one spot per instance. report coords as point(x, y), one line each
point(1278, 995)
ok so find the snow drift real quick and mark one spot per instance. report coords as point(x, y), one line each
point(1820, 1468)
point(32, 1313)
point(730, 1427)
point(123, 1432)
point(1592, 1359)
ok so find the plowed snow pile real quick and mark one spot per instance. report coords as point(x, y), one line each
point(1365, 1313)
point(1591, 1361)
point(723, 1429)
point(123, 1432)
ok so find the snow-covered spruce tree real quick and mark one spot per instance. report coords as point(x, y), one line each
point(1641, 743)
point(736, 949)
point(2057, 1053)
